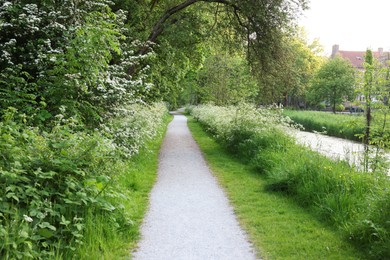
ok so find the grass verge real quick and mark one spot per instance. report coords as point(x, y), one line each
point(104, 241)
point(339, 125)
point(277, 226)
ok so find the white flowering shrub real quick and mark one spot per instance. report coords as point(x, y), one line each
point(66, 53)
point(134, 126)
point(237, 126)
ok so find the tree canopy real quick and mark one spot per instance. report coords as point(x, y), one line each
point(180, 31)
point(334, 82)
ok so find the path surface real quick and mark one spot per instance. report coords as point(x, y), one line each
point(189, 217)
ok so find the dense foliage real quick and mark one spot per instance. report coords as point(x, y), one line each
point(288, 81)
point(79, 86)
point(181, 34)
point(223, 80)
point(52, 181)
point(58, 54)
point(71, 117)
point(333, 83)
point(355, 203)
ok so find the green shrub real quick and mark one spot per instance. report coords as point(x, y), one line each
point(188, 110)
point(50, 182)
point(340, 107)
point(321, 106)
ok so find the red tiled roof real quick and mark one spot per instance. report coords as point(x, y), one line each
point(357, 57)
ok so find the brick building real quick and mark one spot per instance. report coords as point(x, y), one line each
point(357, 57)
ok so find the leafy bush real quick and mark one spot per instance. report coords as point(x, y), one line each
point(340, 107)
point(52, 181)
point(133, 126)
point(234, 125)
point(356, 203)
point(62, 53)
point(321, 106)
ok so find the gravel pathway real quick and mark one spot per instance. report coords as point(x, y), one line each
point(189, 215)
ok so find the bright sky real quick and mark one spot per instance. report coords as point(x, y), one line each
point(355, 25)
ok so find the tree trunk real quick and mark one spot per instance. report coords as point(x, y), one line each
point(334, 100)
point(368, 125)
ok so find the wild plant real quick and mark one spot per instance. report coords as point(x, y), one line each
point(52, 181)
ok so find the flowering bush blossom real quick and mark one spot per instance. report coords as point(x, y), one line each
point(134, 126)
point(67, 53)
point(245, 120)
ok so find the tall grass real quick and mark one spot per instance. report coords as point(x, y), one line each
point(339, 125)
point(353, 202)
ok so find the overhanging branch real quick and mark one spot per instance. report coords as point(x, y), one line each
point(158, 27)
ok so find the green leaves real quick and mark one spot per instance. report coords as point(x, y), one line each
point(225, 79)
point(333, 83)
point(50, 180)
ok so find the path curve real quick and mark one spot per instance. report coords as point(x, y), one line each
point(189, 217)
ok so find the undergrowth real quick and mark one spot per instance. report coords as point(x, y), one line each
point(55, 184)
point(355, 203)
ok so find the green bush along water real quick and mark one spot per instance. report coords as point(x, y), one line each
point(355, 203)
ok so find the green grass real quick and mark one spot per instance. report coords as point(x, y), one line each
point(339, 125)
point(277, 226)
point(105, 242)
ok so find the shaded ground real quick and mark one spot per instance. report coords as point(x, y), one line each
point(189, 216)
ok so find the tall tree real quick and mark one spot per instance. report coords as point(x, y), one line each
point(260, 24)
point(289, 78)
point(225, 79)
point(368, 86)
point(375, 90)
point(334, 82)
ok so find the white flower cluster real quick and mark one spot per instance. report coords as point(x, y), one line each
point(224, 122)
point(136, 125)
